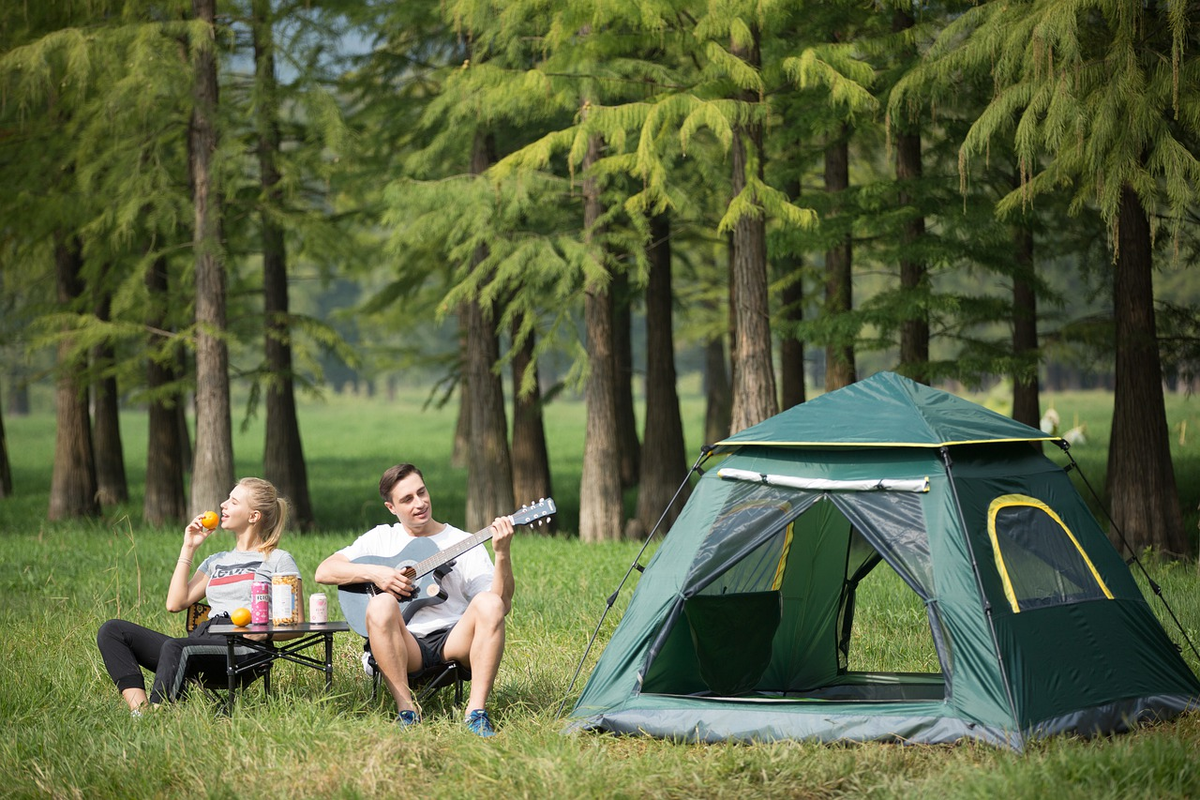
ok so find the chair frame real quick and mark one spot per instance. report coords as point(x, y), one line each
point(214, 684)
point(425, 682)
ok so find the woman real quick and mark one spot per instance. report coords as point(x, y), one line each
point(256, 515)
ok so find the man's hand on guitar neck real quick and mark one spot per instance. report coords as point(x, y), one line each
point(502, 532)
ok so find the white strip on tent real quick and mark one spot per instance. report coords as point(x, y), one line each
point(826, 484)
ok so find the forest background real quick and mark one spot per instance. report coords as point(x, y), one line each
point(217, 200)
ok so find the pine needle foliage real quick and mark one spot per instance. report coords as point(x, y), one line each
point(1094, 95)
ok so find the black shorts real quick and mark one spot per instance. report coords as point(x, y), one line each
point(433, 646)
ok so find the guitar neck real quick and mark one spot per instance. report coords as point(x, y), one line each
point(452, 552)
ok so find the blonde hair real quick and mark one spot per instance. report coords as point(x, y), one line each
point(272, 508)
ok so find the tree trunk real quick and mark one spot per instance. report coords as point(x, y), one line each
point(165, 501)
point(718, 405)
point(6, 483)
point(460, 453)
point(664, 462)
point(73, 483)
point(530, 456)
point(754, 397)
point(283, 454)
point(600, 508)
point(914, 329)
point(186, 452)
point(212, 472)
point(791, 347)
point(489, 470)
point(1026, 403)
point(839, 286)
point(111, 486)
point(627, 434)
point(1141, 477)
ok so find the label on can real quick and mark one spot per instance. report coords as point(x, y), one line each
point(260, 602)
point(285, 598)
point(318, 608)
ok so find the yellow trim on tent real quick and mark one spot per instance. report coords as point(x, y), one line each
point(1007, 500)
point(790, 443)
point(787, 546)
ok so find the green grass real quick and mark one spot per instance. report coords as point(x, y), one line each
point(66, 734)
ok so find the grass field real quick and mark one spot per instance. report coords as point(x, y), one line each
point(66, 734)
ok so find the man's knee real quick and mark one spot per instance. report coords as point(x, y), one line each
point(489, 607)
point(383, 612)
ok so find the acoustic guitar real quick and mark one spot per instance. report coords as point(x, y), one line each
point(426, 566)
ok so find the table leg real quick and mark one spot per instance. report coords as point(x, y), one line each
point(231, 671)
point(328, 663)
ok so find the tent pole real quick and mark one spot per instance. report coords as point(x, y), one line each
point(987, 606)
point(705, 452)
point(1065, 446)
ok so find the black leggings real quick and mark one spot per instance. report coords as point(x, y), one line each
point(127, 647)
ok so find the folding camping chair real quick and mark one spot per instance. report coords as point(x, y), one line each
point(423, 683)
point(207, 670)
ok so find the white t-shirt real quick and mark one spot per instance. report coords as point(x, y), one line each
point(470, 575)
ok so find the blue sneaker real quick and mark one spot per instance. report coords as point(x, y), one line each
point(480, 724)
point(406, 719)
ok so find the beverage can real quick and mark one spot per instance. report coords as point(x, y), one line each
point(318, 608)
point(285, 598)
point(260, 602)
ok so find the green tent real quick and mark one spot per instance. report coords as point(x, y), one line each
point(740, 627)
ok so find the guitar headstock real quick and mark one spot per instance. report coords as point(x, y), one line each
point(536, 513)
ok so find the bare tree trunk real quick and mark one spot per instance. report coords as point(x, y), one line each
point(73, 483)
point(791, 347)
point(600, 508)
point(664, 462)
point(489, 471)
point(112, 488)
point(283, 454)
point(1026, 402)
point(914, 329)
point(839, 286)
point(460, 454)
point(1141, 477)
point(754, 397)
point(530, 456)
point(623, 376)
point(6, 482)
point(186, 451)
point(165, 500)
point(212, 472)
point(718, 403)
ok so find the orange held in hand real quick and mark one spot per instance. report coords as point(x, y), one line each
point(240, 617)
point(209, 519)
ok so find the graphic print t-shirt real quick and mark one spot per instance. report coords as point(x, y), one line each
point(231, 572)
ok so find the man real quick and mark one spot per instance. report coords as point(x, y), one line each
point(468, 626)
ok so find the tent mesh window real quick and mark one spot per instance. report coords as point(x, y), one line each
point(1040, 561)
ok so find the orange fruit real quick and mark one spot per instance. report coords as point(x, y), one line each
point(209, 519)
point(240, 617)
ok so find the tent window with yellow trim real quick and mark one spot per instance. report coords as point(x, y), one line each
point(1041, 563)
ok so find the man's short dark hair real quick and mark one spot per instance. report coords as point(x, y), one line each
point(392, 476)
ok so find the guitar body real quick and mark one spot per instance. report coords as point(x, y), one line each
point(427, 566)
point(427, 590)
